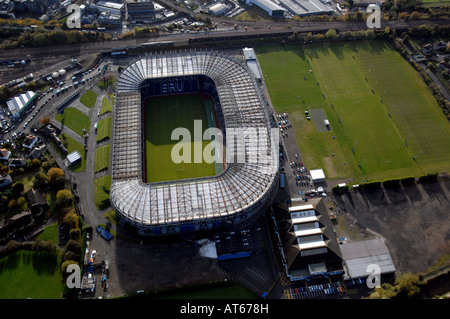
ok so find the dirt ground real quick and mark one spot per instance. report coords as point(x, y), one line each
point(414, 222)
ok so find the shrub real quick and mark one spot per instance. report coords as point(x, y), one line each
point(391, 183)
point(408, 180)
point(428, 178)
point(340, 190)
point(370, 185)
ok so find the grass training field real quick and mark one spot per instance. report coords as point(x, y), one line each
point(75, 120)
point(358, 84)
point(101, 191)
point(28, 274)
point(162, 116)
point(101, 158)
point(106, 106)
point(104, 129)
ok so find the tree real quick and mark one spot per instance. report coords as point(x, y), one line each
point(71, 218)
point(331, 34)
point(56, 177)
point(45, 120)
point(406, 284)
point(40, 180)
point(18, 188)
point(64, 198)
point(386, 291)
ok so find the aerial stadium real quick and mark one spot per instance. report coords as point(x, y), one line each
point(238, 191)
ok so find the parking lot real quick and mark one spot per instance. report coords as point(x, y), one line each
point(248, 239)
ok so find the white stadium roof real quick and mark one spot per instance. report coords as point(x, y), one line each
point(240, 188)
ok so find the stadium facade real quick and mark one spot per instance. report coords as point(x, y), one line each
point(235, 196)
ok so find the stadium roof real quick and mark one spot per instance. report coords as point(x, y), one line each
point(241, 187)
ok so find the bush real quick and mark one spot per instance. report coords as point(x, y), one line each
point(408, 180)
point(428, 178)
point(340, 190)
point(370, 185)
point(64, 198)
point(391, 183)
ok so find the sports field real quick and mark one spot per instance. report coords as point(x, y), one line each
point(339, 78)
point(162, 116)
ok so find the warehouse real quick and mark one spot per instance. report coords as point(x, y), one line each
point(359, 257)
point(218, 9)
point(18, 104)
point(273, 9)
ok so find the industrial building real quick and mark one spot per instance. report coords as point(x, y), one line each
point(140, 11)
point(18, 104)
point(273, 9)
point(307, 7)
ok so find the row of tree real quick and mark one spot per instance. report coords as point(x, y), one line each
point(393, 183)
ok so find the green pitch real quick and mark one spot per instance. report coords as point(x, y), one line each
point(162, 116)
point(369, 144)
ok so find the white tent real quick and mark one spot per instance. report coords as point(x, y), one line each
point(317, 175)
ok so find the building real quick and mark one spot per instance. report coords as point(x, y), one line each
point(4, 154)
point(17, 162)
point(73, 157)
point(109, 19)
point(218, 9)
point(30, 142)
point(5, 180)
point(360, 256)
point(140, 11)
point(307, 7)
point(273, 9)
point(317, 175)
point(19, 104)
point(106, 6)
point(250, 60)
point(309, 246)
point(240, 193)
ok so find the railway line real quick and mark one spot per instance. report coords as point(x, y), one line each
point(45, 57)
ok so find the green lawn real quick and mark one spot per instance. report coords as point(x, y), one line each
point(106, 106)
point(162, 116)
point(101, 159)
point(50, 233)
point(89, 98)
point(104, 129)
point(72, 145)
point(332, 76)
point(27, 274)
point(101, 192)
point(75, 120)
